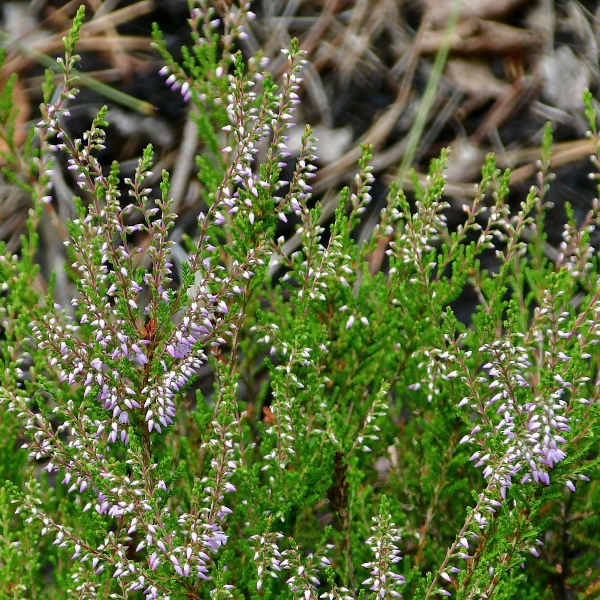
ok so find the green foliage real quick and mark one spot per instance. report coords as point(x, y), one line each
point(251, 422)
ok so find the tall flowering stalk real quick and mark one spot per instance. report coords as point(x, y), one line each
point(382, 578)
point(115, 375)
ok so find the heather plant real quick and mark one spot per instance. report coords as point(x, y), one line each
point(358, 440)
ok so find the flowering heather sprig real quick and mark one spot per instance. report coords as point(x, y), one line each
point(383, 580)
point(267, 556)
point(525, 396)
point(189, 78)
point(248, 125)
point(235, 18)
point(242, 189)
point(542, 416)
point(337, 593)
point(370, 430)
point(110, 555)
point(303, 580)
point(316, 266)
point(52, 111)
point(530, 425)
point(300, 190)
point(280, 113)
point(331, 265)
point(224, 451)
point(434, 372)
point(388, 218)
point(575, 251)
point(363, 180)
point(474, 212)
point(290, 422)
point(423, 226)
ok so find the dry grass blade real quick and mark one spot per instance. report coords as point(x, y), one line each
point(485, 9)
point(477, 36)
point(345, 166)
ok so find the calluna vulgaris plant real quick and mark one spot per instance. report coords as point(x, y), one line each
point(358, 439)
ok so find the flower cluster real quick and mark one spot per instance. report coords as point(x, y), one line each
point(136, 343)
point(382, 579)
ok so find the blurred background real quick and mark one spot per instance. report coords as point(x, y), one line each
point(409, 77)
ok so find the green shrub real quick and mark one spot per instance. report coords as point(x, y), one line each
point(352, 419)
